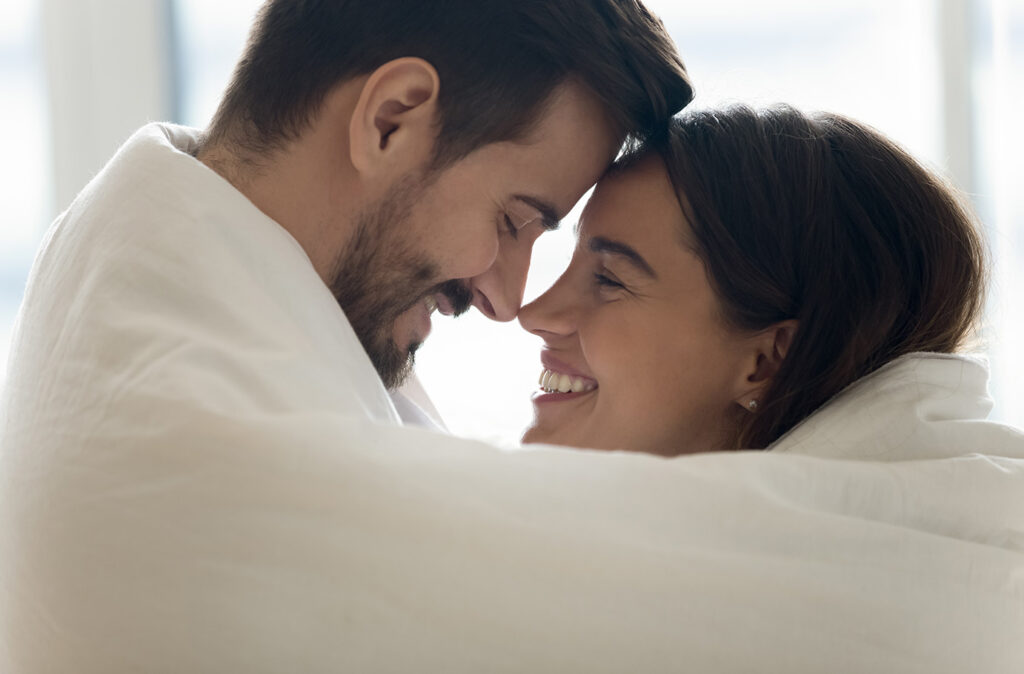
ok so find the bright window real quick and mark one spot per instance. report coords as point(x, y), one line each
point(25, 167)
point(211, 36)
point(999, 73)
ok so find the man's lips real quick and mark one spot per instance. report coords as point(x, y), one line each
point(442, 303)
point(453, 298)
point(413, 326)
point(449, 298)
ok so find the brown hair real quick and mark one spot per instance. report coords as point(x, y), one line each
point(499, 61)
point(822, 219)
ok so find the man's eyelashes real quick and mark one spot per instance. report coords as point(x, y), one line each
point(606, 281)
point(512, 229)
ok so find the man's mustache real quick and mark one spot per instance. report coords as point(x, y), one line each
point(459, 294)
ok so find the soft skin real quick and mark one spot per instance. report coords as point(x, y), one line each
point(672, 376)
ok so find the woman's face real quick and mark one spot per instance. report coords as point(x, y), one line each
point(635, 346)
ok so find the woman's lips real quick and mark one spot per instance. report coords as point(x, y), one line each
point(552, 363)
point(559, 381)
point(540, 398)
point(552, 382)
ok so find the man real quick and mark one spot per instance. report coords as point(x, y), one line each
point(370, 162)
point(202, 470)
point(414, 176)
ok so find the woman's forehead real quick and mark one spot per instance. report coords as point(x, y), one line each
point(637, 202)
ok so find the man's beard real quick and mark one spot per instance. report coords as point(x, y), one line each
point(379, 276)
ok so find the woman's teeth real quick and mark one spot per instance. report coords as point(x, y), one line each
point(431, 305)
point(555, 382)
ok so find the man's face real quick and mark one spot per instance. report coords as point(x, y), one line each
point(463, 236)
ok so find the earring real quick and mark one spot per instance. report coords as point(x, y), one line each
point(752, 405)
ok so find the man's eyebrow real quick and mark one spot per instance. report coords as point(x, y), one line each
point(549, 216)
point(599, 244)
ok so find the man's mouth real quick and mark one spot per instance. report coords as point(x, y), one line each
point(560, 382)
point(453, 298)
point(448, 299)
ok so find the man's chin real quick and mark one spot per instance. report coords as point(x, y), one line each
point(405, 370)
point(393, 368)
point(412, 326)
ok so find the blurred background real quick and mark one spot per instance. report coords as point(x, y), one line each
point(944, 77)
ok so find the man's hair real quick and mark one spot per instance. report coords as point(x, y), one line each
point(499, 61)
point(822, 219)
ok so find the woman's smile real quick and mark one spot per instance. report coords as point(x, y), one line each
point(559, 378)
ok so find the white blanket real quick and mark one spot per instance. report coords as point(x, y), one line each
point(201, 473)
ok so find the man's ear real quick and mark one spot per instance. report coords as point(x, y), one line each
point(768, 353)
point(394, 123)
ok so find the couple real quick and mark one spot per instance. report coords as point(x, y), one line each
point(203, 469)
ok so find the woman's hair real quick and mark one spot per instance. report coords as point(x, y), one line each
point(821, 219)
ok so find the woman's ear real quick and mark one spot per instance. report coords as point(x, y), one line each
point(394, 123)
point(769, 352)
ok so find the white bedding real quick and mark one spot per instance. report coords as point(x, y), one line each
point(200, 473)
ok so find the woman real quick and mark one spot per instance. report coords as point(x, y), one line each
point(730, 282)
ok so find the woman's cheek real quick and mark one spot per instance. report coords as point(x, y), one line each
point(610, 344)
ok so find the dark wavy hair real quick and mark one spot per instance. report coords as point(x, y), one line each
point(499, 61)
point(819, 218)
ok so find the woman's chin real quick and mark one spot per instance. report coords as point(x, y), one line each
point(532, 436)
point(564, 437)
point(535, 435)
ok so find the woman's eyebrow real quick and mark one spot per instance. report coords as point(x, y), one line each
point(600, 244)
point(549, 216)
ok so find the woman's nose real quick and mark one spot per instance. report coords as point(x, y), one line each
point(553, 314)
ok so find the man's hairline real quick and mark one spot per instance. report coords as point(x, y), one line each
point(256, 156)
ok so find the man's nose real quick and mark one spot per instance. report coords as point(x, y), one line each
point(498, 292)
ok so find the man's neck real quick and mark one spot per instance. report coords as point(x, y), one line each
point(300, 186)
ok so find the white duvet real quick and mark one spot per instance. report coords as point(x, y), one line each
point(199, 472)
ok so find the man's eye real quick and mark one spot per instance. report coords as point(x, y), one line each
point(606, 282)
point(511, 226)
